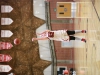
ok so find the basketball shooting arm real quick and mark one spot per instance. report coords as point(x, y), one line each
point(42, 38)
point(43, 32)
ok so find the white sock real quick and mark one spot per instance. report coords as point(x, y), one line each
point(78, 31)
point(76, 38)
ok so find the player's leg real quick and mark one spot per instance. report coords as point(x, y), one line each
point(75, 31)
point(76, 38)
point(80, 31)
point(70, 32)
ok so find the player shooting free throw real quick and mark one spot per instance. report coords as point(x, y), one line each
point(60, 35)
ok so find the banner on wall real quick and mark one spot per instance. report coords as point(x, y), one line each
point(6, 21)
point(6, 33)
point(6, 8)
point(5, 58)
point(5, 45)
point(5, 68)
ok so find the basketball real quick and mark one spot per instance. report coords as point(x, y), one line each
point(65, 72)
point(17, 41)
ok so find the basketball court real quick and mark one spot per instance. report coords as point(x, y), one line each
point(87, 59)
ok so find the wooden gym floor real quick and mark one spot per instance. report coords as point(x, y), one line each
point(87, 59)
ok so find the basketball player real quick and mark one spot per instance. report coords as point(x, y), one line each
point(60, 35)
